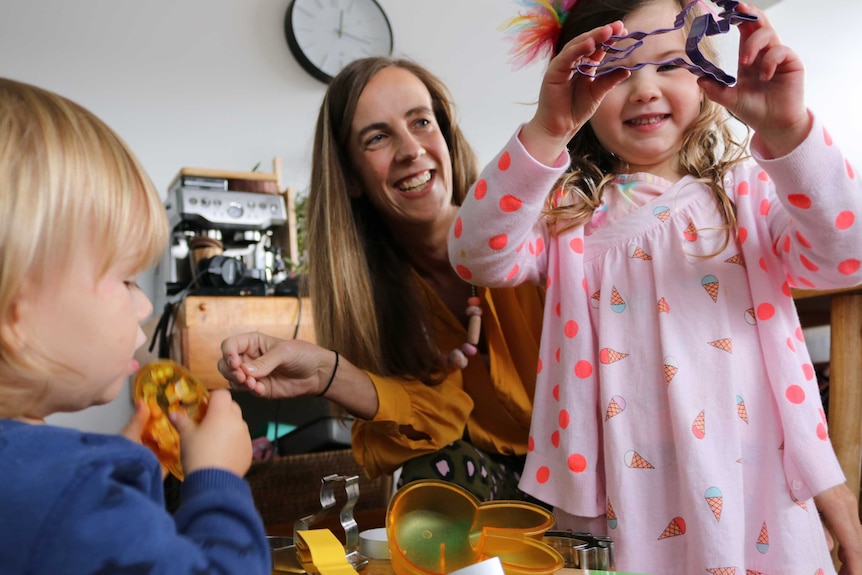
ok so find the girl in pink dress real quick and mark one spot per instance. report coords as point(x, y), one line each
point(676, 407)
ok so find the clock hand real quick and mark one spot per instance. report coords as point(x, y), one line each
point(354, 37)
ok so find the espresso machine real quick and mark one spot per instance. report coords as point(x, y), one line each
point(222, 239)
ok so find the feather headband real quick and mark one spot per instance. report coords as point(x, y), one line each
point(536, 29)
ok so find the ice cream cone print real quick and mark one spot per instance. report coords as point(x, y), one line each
point(612, 516)
point(740, 409)
point(608, 355)
point(750, 318)
point(715, 500)
point(698, 428)
point(723, 570)
point(710, 284)
point(690, 232)
point(617, 303)
point(724, 343)
point(636, 252)
point(663, 306)
point(595, 299)
point(800, 503)
point(634, 460)
point(753, 572)
point(674, 528)
point(616, 406)
point(763, 539)
point(738, 259)
point(662, 213)
point(670, 368)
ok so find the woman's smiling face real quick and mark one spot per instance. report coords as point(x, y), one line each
point(398, 150)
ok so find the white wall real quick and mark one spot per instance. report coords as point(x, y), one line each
point(212, 83)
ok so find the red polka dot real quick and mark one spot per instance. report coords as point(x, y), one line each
point(558, 355)
point(790, 344)
point(762, 263)
point(742, 235)
point(556, 392)
point(584, 284)
point(509, 203)
point(827, 138)
point(539, 366)
point(845, 220)
point(850, 172)
point(520, 247)
point(543, 474)
point(800, 335)
point(583, 369)
point(540, 246)
point(577, 463)
point(802, 240)
point(742, 188)
point(785, 289)
point(801, 201)
point(564, 418)
point(558, 309)
point(498, 242)
point(481, 189)
point(806, 282)
point(513, 273)
point(577, 245)
point(555, 439)
point(795, 394)
point(764, 207)
point(809, 265)
point(765, 311)
point(531, 444)
point(848, 267)
point(464, 272)
point(786, 245)
point(821, 432)
point(531, 249)
point(504, 162)
point(808, 371)
point(571, 328)
point(763, 177)
point(459, 227)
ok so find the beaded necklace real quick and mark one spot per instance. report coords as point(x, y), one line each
point(457, 358)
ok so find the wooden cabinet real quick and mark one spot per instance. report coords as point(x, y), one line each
point(202, 322)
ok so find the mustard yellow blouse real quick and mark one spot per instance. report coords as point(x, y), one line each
point(492, 403)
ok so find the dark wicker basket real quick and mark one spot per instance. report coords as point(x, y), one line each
point(288, 488)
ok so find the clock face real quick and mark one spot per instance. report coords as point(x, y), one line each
point(326, 35)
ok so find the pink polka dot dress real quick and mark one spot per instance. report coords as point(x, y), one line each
point(676, 408)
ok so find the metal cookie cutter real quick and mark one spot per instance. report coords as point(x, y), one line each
point(704, 25)
point(583, 550)
point(348, 523)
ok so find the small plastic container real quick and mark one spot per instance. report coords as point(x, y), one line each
point(435, 527)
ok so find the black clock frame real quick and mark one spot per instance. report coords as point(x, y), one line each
point(300, 56)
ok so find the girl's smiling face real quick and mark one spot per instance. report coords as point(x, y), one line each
point(643, 121)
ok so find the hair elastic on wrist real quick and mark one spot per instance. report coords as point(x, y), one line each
point(331, 377)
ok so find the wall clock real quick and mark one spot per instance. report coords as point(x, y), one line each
point(324, 36)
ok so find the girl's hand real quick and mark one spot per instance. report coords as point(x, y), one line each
point(275, 368)
point(840, 510)
point(568, 99)
point(769, 92)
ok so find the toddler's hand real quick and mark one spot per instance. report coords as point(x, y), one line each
point(135, 427)
point(221, 440)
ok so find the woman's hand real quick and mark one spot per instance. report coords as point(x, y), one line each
point(568, 99)
point(769, 93)
point(280, 369)
point(840, 510)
